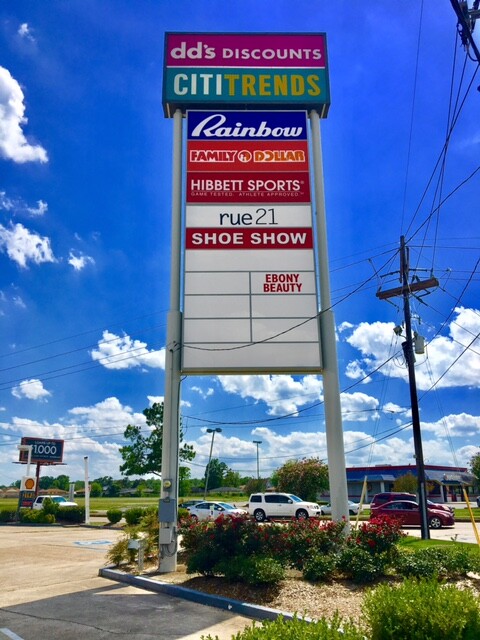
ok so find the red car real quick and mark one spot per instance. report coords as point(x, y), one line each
point(409, 513)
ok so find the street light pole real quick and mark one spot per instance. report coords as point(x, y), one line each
point(213, 432)
point(257, 442)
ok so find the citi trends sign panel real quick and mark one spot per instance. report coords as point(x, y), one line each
point(250, 295)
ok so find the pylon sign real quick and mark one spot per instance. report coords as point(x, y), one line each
point(250, 297)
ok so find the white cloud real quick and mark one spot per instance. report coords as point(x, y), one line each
point(121, 352)
point(24, 31)
point(13, 143)
point(460, 425)
point(17, 206)
point(282, 393)
point(18, 302)
point(21, 245)
point(32, 389)
point(449, 361)
point(202, 392)
point(80, 261)
point(358, 407)
point(155, 399)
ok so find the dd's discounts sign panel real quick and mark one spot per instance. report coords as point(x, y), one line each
point(250, 298)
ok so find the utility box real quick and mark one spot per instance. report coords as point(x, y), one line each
point(167, 510)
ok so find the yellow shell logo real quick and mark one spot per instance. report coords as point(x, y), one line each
point(29, 484)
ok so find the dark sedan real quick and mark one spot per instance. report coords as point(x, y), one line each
point(409, 513)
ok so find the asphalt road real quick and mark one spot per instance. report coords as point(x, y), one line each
point(50, 590)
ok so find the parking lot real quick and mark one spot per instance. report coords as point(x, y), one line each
point(51, 589)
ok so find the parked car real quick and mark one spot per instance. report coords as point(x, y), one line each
point(353, 507)
point(281, 505)
point(189, 503)
point(212, 510)
point(382, 498)
point(408, 512)
point(437, 505)
point(60, 500)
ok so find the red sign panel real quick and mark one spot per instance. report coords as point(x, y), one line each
point(240, 156)
point(253, 238)
point(248, 187)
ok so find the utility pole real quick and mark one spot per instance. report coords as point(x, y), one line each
point(466, 23)
point(258, 442)
point(408, 350)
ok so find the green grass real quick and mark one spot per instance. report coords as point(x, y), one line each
point(103, 504)
point(414, 543)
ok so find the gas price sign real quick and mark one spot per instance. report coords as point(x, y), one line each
point(47, 451)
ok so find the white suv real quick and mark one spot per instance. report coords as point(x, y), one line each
point(281, 505)
point(60, 500)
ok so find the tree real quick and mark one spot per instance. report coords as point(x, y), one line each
point(144, 455)
point(407, 483)
point(305, 478)
point(96, 490)
point(255, 485)
point(62, 482)
point(475, 465)
point(184, 482)
point(232, 478)
point(216, 474)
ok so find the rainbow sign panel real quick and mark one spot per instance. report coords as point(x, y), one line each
point(248, 71)
point(250, 296)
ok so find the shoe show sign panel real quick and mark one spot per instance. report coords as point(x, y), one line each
point(250, 297)
point(247, 71)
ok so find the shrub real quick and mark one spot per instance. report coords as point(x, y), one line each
point(320, 568)
point(134, 515)
point(70, 514)
point(334, 629)
point(183, 515)
point(203, 561)
point(305, 539)
point(226, 538)
point(49, 506)
point(263, 571)
point(360, 565)
point(36, 517)
point(120, 553)
point(114, 515)
point(443, 562)
point(8, 516)
point(379, 535)
point(422, 609)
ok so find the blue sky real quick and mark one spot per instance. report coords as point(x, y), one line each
point(85, 197)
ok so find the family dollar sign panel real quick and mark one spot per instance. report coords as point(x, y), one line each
point(250, 298)
point(246, 71)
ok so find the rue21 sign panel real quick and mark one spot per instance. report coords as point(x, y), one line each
point(250, 298)
point(239, 70)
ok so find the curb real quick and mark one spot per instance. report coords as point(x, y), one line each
point(254, 611)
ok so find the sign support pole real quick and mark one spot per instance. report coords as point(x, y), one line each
point(171, 407)
point(331, 388)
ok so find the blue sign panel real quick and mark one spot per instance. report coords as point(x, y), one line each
point(246, 125)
